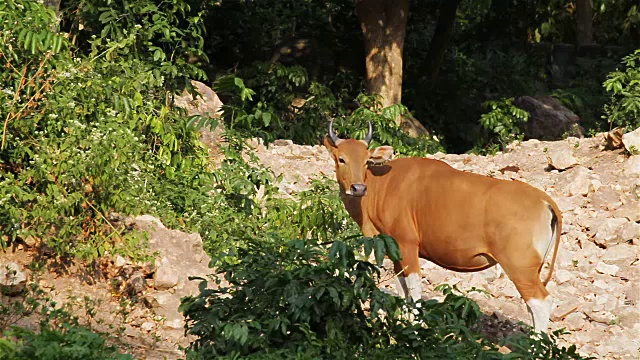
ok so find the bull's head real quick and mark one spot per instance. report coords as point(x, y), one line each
point(352, 158)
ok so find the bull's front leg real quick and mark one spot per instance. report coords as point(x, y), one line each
point(409, 279)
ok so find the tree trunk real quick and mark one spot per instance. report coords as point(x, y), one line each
point(383, 24)
point(584, 25)
point(440, 40)
point(55, 6)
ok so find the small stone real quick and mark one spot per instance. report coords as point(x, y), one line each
point(600, 284)
point(129, 330)
point(630, 231)
point(603, 317)
point(31, 241)
point(576, 181)
point(147, 325)
point(620, 253)
point(563, 276)
point(575, 321)
point(561, 159)
point(606, 269)
point(165, 278)
point(119, 261)
point(564, 309)
point(606, 198)
point(136, 283)
point(282, 142)
point(174, 324)
point(632, 293)
point(610, 231)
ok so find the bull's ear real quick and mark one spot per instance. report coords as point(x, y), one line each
point(380, 154)
point(331, 147)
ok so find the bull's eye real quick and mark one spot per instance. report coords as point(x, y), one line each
point(341, 161)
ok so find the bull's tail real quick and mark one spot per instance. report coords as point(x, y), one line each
point(556, 228)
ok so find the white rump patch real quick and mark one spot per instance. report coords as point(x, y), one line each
point(546, 238)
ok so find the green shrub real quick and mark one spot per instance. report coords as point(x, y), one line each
point(165, 35)
point(243, 203)
point(86, 136)
point(302, 300)
point(65, 342)
point(59, 335)
point(623, 108)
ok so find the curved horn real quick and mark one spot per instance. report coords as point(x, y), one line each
point(367, 138)
point(332, 135)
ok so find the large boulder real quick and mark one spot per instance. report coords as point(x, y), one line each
point(549, 120)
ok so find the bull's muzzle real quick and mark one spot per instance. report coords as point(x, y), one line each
point(358, 190)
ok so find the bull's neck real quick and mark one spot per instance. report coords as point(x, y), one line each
point(353, 204)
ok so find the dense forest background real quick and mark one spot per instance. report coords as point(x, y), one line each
point(458, 58)
point(89, 132)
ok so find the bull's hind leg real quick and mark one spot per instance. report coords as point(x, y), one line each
point(527, 281)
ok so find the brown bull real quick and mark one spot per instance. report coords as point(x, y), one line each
point(458, 220)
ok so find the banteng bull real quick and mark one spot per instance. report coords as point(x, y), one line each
point(458, 220)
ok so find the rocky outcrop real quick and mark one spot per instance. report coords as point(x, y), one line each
point(595, 285)
point(179, 256)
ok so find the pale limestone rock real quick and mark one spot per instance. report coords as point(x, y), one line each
point(148, 221)
point(12, 279)
point(147, 326)
point(576, 181)
point(562, 276)
point(620, 253)
point(606, 198)
point(631, 141)
point(119, 261)
point(632, 293)
point(604, 268)
point(610, 231)
point(628, 316)
point(632, 166)
point(575, 321)
point(630, 231)
point(603, 317)
point(561, 158)
point(165, 277)
point(600, 284)
point(565, 309)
